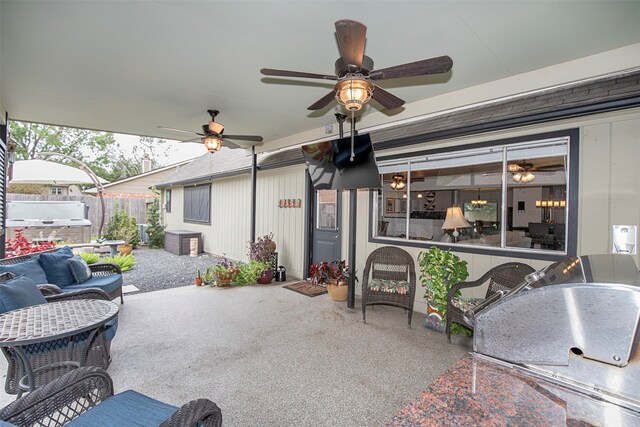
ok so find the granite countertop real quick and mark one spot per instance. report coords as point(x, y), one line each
point(476, 391)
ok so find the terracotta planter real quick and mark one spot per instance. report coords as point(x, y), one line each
point(266, 277)
point(337, 290)
point(124, 249)
point(225, 279)
point(197, 281)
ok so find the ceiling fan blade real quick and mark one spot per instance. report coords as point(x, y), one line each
point(180, 130)
point(351, 40)
point(549, 168)
point(287, 73)
point(386, 99)
point(198, 139)
point(254, 138)
point(440, 64)
point(322, 102)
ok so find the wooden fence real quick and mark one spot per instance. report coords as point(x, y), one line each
point(136, 208)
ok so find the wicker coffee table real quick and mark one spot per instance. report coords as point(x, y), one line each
point(42, 328)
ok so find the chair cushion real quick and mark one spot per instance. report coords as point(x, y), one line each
point(80, 269)
point(465, 304)
point(56, 267)
point(19, 293)
point(389, 286)
point(30, 268)
point(109, 284)
point(128, 408)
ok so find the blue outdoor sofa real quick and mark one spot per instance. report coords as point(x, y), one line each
point(55, 268)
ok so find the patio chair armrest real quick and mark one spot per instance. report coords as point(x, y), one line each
point(195, 413)
point(62, 399)
point(105, 268)
point(89, 293)
point(48, 289)
point(462, 285)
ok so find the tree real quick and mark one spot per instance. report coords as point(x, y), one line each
point(99, 150)
point(127, 163)
point(155, 231)
point(81, 144)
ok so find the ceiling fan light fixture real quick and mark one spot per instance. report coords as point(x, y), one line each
point(513, 167)
point(216, 127)
point(398, 182)
point(528, 177)
point(353, 93)
point(212, 143)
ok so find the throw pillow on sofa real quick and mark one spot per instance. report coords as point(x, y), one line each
point(80, 269)
point(19, 293)
point(55, 265)
point(30, 268)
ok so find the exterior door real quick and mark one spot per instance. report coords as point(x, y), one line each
point(326, 230)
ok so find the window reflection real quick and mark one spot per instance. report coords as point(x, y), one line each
point(510, 197)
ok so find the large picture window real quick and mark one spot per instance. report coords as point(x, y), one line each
point(510, 197)
point(197, 204)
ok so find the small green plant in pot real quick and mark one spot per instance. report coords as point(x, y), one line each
point(439, 271)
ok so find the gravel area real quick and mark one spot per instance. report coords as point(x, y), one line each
point(157, 269)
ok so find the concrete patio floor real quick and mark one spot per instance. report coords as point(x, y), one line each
point(269, 356)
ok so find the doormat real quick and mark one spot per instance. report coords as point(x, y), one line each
point(305, 288)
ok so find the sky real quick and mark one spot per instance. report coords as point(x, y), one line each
point(176, 152)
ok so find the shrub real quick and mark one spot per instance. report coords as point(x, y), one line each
point(124, 261)
point(20, 245)
point(88, 257)
point(122, 227)
point(155, 231)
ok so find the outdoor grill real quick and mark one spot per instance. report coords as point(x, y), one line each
point(574, 322)
point(49, 221)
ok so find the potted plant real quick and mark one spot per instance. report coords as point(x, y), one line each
point(250, 272)
point(126, 234)
point(224, 273)
point(334, 276)
point(198, 279)
point(263, 250)
point(439, 270)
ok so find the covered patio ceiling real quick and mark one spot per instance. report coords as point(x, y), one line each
point(132, 66)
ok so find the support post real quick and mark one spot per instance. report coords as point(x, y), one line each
point(254, 189)
point(353, 213)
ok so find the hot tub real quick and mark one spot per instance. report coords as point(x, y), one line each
point(49, 221)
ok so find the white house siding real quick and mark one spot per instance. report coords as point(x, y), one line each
point(287, 224)
point(229, 230)
point(609, 191)
point(230, 217)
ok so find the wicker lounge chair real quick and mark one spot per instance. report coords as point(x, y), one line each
point(389, 278)
point(500, 278)
point(84, 397)
point(99, 351)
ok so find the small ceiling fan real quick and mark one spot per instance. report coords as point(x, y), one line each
point(355, 73)
point(212, 135)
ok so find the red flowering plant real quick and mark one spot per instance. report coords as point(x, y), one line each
point(320, 273)
point(20, 245)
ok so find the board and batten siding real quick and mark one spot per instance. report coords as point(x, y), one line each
point(287, 224)
point(229, 230)
point(609, 192)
